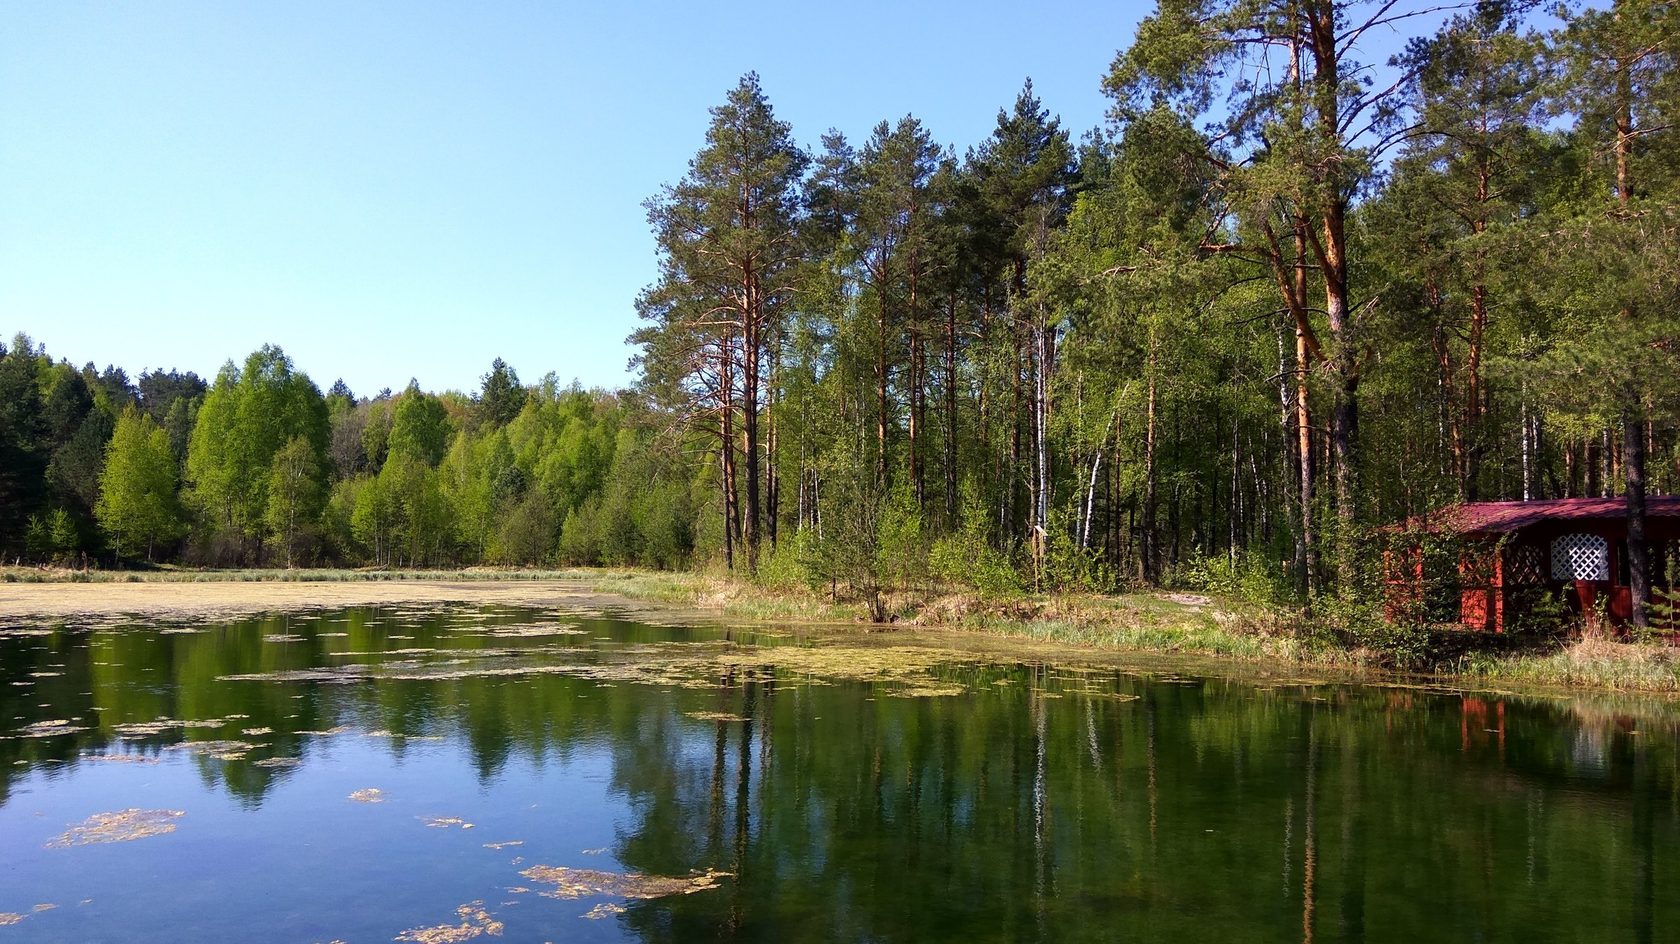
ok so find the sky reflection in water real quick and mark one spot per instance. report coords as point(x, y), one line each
point(950, 800)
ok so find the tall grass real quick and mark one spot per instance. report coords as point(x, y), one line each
point(1584, 663)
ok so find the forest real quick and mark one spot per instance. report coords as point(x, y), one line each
point(1291, 292)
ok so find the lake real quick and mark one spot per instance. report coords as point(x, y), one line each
point(513, 774)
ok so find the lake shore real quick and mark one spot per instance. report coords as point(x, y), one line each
point(1214, 634)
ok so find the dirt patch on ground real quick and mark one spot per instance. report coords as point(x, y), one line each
point(100, 603)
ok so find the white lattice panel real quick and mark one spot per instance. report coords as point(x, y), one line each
point(1580, 557)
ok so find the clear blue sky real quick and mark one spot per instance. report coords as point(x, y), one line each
point(408, 190)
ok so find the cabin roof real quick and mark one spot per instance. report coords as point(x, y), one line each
point(1505, 517)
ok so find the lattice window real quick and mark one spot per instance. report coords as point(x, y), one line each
point(1475, 567)
point(1580, 557)
point(1525, 565)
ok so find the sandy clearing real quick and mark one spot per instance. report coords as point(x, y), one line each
point(209, 599)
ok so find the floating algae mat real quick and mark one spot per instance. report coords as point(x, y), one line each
point(592, 883)
point(474, 921)
point(576, 774)
point(121, 826)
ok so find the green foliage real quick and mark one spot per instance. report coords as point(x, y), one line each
point(1362, 627)
point(52, 538)
point(1250, 578)
point(373, 518)
point(1536, 612)
point(248, 416)
point(23, 443)
point(501, 397)
point(667, 526)
point(786, 566)
point(137, 503)
point(419, 427)
point(966, 557)
point(419, 524)
point(1069, 567)
point(848, 549)
point(580, 535)
point(901, 546)
point(527, 536)
point(295, 495)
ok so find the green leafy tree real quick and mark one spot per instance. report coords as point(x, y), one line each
point(420, 428)
point(1620, 280)
point(249, 415)
point(1299, 133)
point(137, 503)
point(296, 494)
point(373, 518)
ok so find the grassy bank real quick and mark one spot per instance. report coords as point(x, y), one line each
point(1191, 624)
point(1155, 621)
point(1583, 663)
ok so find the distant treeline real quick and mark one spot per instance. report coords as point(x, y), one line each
point(259, 467)
point(1284, 295)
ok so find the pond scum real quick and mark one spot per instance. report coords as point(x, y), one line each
point(593, 883)
point(474, 922)
point(908, 671)
point(905, 670)
point(121, 826)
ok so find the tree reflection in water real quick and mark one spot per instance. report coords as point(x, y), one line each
point(1040, 804)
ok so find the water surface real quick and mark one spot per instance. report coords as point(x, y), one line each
point(393, 773)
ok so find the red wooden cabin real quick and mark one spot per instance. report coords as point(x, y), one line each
point(1511, 554)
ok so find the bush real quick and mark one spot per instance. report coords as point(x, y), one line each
point(1360, 628)
point(527, 534)
point(787, 566)
point(848, 550)
point(901, 553)
point(1069, 567)
point(580, 542)
point(1249, 578)
point(966, 558)
point(668, 527)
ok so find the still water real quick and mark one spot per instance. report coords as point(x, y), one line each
point(450, 773)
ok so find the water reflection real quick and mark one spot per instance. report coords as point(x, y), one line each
point(1040, 803)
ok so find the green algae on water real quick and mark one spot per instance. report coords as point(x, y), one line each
point(121, 826)
point(591, 883)
point(474, 922)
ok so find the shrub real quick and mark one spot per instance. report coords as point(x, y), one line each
point(901, 553)
point(1069, 567)
point(527, 534)
point(668, 527)
point(787, 565)
point(1249, 578)
point(579, 537)
point(967, 558)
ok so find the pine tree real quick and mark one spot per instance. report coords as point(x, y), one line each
point(501, 397)
point(727, 237)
